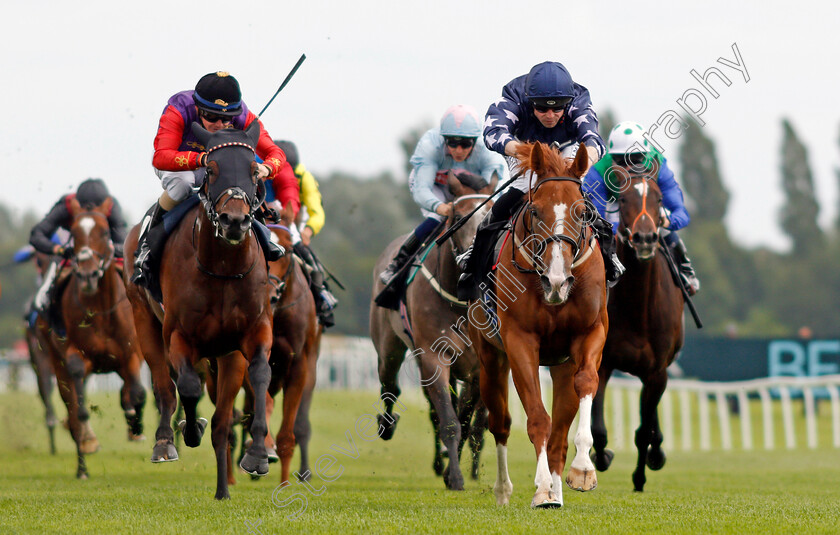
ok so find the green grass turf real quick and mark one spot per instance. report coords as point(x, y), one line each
point(390, 486)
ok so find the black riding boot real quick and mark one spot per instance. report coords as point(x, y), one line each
point(325, 301)
point(606, 240)
point(145, 244)
point(687, 273)
point(408, 248)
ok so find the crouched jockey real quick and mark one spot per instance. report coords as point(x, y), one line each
point(544, 105)
point(309, 222)
point(629, 149)
point(451, 147)
point(90, 194)
point(179, 160)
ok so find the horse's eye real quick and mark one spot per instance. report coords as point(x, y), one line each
point(622, 200)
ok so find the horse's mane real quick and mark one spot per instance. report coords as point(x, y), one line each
point(543, 161)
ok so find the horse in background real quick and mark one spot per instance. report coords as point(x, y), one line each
point(646, 312)
point(214, 281)
point(550, 301)
point(101, 337)
point(294, 353)
point(39, 356)
point(431, 326)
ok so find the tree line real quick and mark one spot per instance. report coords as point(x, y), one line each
point(746, 291)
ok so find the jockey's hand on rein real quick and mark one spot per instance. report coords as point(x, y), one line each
point(66, 252)
point(263, 171)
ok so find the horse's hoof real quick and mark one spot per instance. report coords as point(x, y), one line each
point(272, 455)
point(82, 476)
point(503, 492)
point(164, 452)
point(582, 480)
point(639, 480)
point(89, 446)
point(254, 465)
point(193, 438)
point(136, 438)
point(388, 425)
point(603, 461)
point(304, 475)
point(545, 500)
point(655, 459)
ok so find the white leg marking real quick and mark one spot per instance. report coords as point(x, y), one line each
point(557, 487)
point(503, 487)
point(583, 436)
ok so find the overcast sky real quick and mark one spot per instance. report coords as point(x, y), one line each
point(85, 83)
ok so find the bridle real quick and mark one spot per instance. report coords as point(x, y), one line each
point(280, 284)
point(233, 193)
point(643, 212)
point(86, 253)
point(455, 218)
point(577, 243)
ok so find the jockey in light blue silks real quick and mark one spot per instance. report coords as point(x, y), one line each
point(627, 147)
point(449, 148)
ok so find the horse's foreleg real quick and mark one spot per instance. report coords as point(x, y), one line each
point(649, 434)
point(255, 461)
point(582, 472)
point(493, 380)
point(391, 353)
point(601, 456)
point(293, 387)
point(78, 370)
point(182, 355)
point(303, 427)
point(231, 370)
point(523, 355)
point(133, 396)
point(67, 390)
point(449, 427)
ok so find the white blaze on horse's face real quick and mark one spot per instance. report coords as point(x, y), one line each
point(559, 276)
point(87, 223)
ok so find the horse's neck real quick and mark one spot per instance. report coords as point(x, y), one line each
point(640, 283)
point(441, 262)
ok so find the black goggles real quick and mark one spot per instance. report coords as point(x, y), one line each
point(212, 118)
point(634, 159)
point(463, 142)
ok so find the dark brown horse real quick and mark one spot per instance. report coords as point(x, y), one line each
point(215, 305)
point(438, 340)
point(646, 327)
point(551, 307)
point(101, 337)
point(39, 357)
point(297, 339)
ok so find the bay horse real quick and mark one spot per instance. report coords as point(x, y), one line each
point(438, 339)
point(101, 336)
point(294, 353)
point(213, 279)
point(646, 309)
point(551, 310)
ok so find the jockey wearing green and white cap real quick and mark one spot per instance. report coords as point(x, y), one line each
point(628, 148)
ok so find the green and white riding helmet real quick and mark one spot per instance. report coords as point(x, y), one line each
point(627, 137)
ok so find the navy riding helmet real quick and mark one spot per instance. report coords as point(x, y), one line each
point(549, 84)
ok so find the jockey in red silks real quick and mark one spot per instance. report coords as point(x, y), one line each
point(179, 159)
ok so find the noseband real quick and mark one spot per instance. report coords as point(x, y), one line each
point(455, 250)
point(644, 212)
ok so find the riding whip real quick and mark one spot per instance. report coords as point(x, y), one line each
point(675, 272)
point(454, 228)
point(286, 81)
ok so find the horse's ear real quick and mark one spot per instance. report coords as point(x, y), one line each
point(580, 163)
point(491, 187)
point(106, 206)
point(74, 207)
point(201, 133)
point(537, 160)
point(455, 185)
point(253, 132)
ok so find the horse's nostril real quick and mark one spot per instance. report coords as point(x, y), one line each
point(546, 285)
point(637, 238)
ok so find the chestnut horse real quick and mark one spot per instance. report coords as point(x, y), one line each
point(646, 331)
point(551, 305)
point(101, 337)
point(215, 305)
point(438, 338)
point(294, 354)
